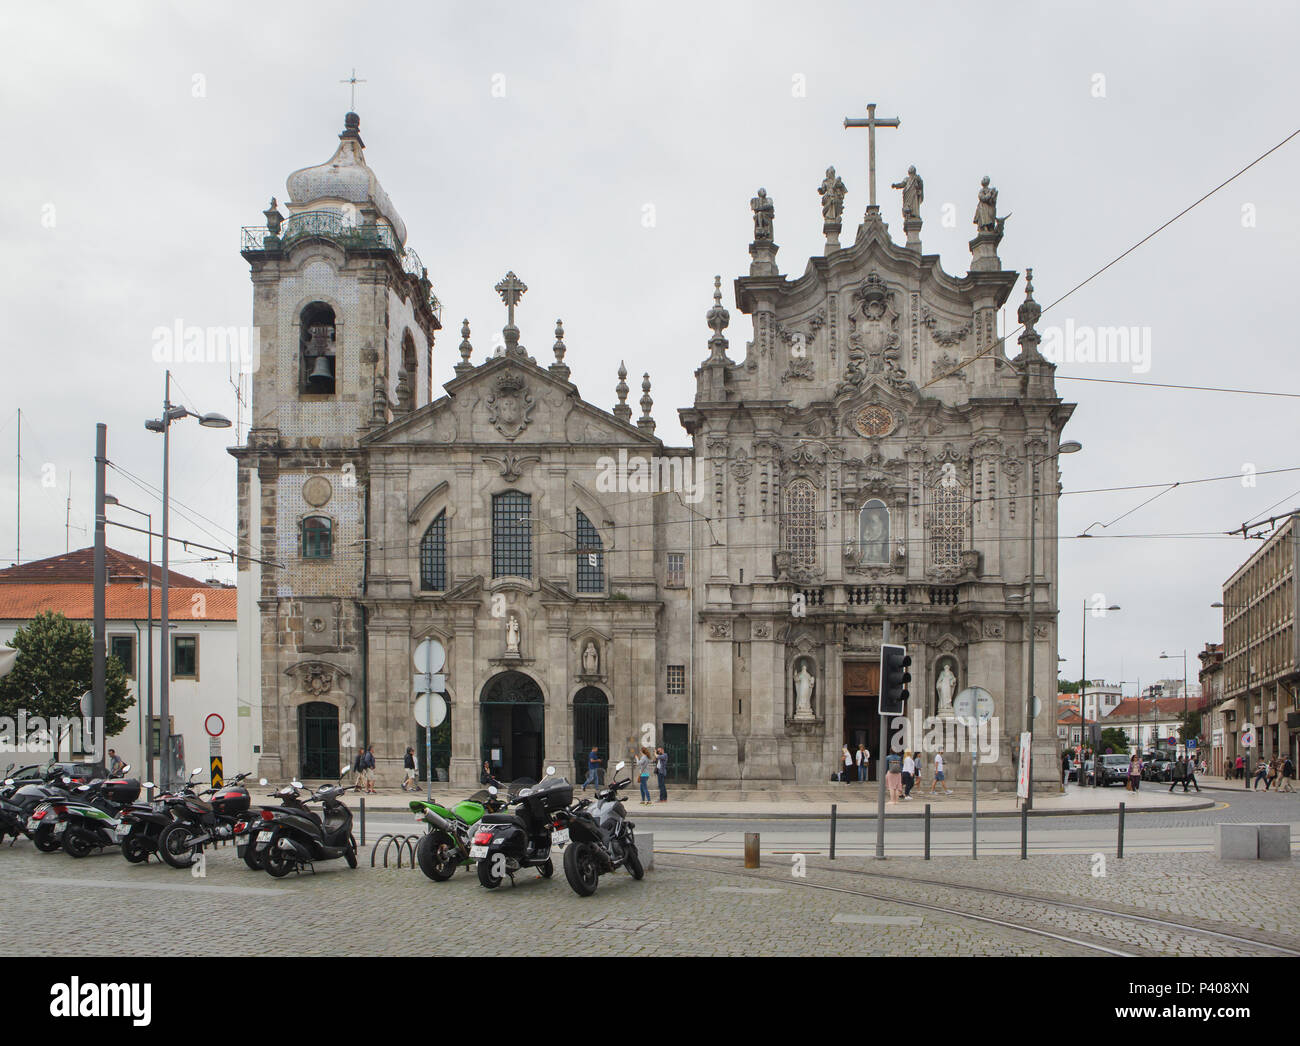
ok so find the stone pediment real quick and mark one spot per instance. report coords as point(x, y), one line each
point(509, 400)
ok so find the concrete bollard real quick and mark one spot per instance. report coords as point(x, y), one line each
point(751, 849)
point(645, 849)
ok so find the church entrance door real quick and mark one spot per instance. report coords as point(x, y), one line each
point(862, 708)
point(590, 730)
point(318, 741)
point(513, 726)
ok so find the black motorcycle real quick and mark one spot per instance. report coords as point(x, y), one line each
point(27, 805)
point(212, 816)
point(143, 824)
point(90, 819)
point(599, 838)
point(250, 826)
point(291, 836)
point(506, 842)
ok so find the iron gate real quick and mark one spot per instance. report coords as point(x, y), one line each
point(590, 730)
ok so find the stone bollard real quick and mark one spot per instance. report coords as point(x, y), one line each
point(645, 849)
point(751, 849)
point(1249, 842)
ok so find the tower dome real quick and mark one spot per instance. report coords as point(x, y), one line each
point(344, 179)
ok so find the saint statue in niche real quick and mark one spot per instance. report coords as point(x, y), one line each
point(873, 533)
point(804, 682)
point(512, 635)
point(946, 685)
point(590, 659)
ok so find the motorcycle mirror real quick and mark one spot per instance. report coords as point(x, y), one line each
point(126, 769)
point(550, 771)
point(620, 765)
point(263, 781)
point(67, 780)
point(492, 789)
point(9, 780)
point(297, 783)
point(196, 771)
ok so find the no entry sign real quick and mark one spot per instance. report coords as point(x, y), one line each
point(214, 725)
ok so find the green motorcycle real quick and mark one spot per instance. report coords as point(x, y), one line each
point(446, 844)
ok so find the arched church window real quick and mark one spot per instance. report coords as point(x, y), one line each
point(873, 533)
point(948, 524)
point(512, 535)
point(591, 557)
point(317, 537)
point(316, 359)
point(433, 556)
point(801, 524)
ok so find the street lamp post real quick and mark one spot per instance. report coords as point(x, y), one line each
point(109, 499)
point(1069, 447)
point(1186, 722)
point(213, 421)
point(1083, 693)
point(1249, 713)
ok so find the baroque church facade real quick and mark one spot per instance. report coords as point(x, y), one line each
point(593, 586)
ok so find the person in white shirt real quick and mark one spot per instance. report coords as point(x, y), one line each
point(939, 781)
point(909, 770)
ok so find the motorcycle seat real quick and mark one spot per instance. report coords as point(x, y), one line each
point(491, 819)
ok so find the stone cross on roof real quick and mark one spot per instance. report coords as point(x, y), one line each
point(353, 81)
point(511, 289)
point(871, 123)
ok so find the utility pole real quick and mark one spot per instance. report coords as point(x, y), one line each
point(99, 698)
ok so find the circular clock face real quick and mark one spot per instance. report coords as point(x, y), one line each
point(874, 421)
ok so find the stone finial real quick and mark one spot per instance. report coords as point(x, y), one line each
point(274, 219)
point(621, 410)
point(718, 318)
point(559, 367)
point(465, 348)
point(646, 423)
point(1028, 315)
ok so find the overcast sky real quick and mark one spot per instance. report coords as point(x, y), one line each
point(539, 137)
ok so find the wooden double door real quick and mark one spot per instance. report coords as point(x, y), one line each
point(862, 707)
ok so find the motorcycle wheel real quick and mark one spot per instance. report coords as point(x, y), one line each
point(485, 876)
point(173, 845)
point(252, 857)
point(45, 841)
point(351, 855)
point(134, 849)
point(437, 856)
point(76, 845)
point(634, 863)
point(580, 869)
point(276, 863)
point(547, 869)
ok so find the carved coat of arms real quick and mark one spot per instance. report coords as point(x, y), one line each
point(509, 405)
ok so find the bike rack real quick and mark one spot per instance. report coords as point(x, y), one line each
point(404, 843)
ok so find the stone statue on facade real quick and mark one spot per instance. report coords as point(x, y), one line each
point(764, 212)
point(512, 635)
point(590, 659)
point(832, 192)
point(945, 687)
point(913, 193)
point(986, 211)
point(804, 683)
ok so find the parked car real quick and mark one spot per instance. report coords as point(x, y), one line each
point(1113, 769)
point(1160, 768)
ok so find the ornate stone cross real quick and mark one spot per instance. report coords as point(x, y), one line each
point(871, 123)
point(511, 289)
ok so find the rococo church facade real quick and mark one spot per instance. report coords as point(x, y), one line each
point(593, 586)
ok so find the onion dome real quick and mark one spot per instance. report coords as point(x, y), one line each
point(344, 179)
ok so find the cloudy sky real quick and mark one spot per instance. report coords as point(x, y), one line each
point(607, 152)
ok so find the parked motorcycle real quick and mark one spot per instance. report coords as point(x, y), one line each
point(144, 823)
point(89, 819)
point(290, 837)
point(26, 806)
point(599, 839)
point(506, 842)
point(210, 817)
point(246, 831)
point(446, 843)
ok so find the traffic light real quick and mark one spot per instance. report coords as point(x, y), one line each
point(894, 677)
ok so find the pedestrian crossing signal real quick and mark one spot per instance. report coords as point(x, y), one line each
point(894, 677)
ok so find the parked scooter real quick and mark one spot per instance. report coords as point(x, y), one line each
point(27, 807)
point(89, 819)
point(247, 830)
point(506, 842)
point(143, 824)
point(290, 837)
point(446, 844)
point(209, 817)
point(599, 839)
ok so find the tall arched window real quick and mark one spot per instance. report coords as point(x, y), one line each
point(947, 524)
point(512, 535)
point(801, 524)
point(591, 557)
point(433, 556)
point(873, 533)
point(316, 358)
point(317, 537)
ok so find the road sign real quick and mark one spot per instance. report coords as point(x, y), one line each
point(7, 660)
point(1022, 775)
point(1247, 736)
point(1191, 745)
point(973, 706)
point(430, 656)
point(214, 725)
point(423, 710)
point(87, 705)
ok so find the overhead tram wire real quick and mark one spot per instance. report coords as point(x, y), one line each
point(1115, 261)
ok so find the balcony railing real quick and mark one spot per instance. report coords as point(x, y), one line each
point(922, 595)
point(332, 225)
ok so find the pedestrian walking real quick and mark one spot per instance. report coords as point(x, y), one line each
point(408, 771)
point(1288, 775)
point(894, 776)
point(593, 769)
point(359, 769)
point(1134, 773)
point(1065, 767)
point(1261, 774)
point(115, 763)
point(847, 757)
point(661, 772)
point(939, 776)
point(368, 768)
point(919, 771)
point(909, 769)
point(1239, 766)
point(643, 773)
point(1274, 769)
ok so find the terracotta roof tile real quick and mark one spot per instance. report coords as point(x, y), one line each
point(21, 602)
point(79, 566)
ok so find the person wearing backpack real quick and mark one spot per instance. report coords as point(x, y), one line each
point(1287, 775)
point(368, 768)
point(661, 772)
point(358, 768)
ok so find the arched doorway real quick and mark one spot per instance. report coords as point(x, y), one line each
point(590, 729)
point(513, 720)
point(318, 741)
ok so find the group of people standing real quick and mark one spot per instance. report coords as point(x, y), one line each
point(645, 761)
point(902, 772)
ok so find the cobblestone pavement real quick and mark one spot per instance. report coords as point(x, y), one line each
point(687, 905)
